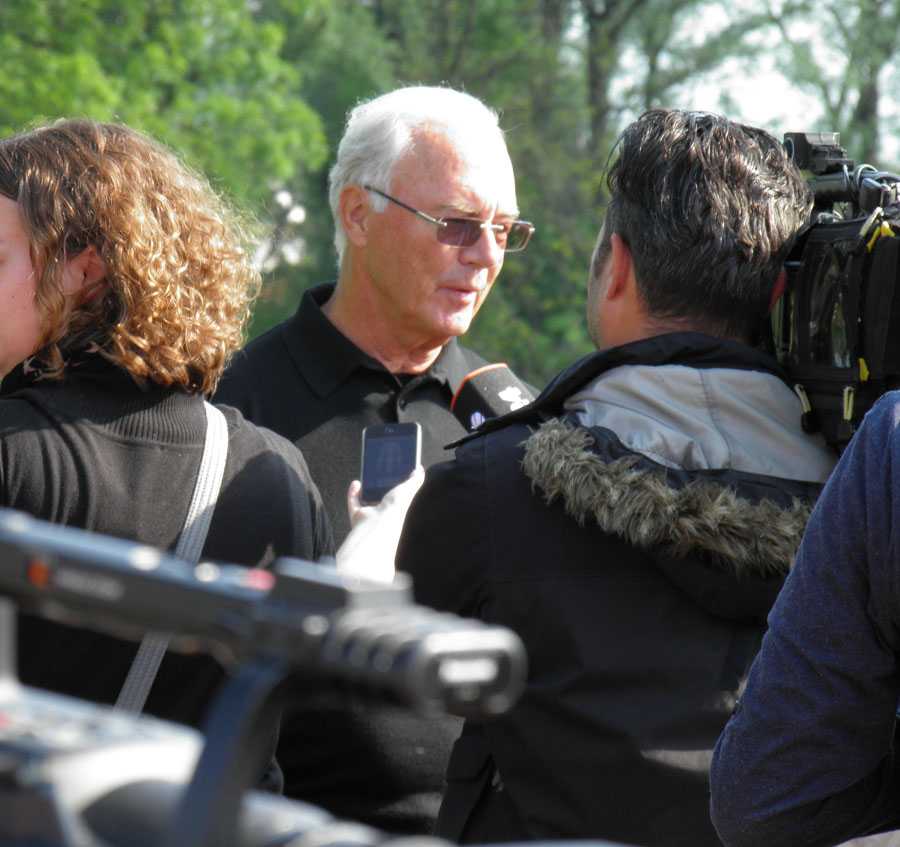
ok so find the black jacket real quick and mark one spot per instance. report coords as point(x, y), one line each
point(634, 526)
point(97, 452)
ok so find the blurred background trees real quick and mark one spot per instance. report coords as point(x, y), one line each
point(254, 93)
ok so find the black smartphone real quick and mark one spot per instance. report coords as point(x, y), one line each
point(390, 453)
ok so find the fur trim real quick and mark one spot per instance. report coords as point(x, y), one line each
point(641, 507)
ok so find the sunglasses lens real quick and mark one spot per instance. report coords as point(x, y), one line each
point(464, 232)
point(459, 232)
point(518, 235)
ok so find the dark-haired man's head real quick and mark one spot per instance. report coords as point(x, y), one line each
point(702, 214)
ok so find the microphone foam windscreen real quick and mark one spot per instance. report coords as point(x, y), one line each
point(488, 392)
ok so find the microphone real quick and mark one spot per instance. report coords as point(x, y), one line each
point(488, 392)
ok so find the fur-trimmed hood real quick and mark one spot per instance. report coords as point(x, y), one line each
point(685, 446)
point(639, 502)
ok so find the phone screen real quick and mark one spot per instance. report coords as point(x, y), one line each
point(390, 453)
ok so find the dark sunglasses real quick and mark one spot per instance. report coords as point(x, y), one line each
point(464, 232)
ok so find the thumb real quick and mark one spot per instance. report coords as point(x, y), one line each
point(353, 504)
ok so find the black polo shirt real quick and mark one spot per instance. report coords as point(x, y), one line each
point(378, 764)
point(310, 383)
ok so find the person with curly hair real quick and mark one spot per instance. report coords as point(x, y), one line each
point(125, 285)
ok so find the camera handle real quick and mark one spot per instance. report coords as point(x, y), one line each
point(8, 653)
point(233, 752)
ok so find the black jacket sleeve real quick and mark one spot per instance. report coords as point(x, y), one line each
point(446, 541)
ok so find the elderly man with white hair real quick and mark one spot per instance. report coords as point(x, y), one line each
point(424, 203)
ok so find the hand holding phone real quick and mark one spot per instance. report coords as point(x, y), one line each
point(390, 453)
point(371, 547)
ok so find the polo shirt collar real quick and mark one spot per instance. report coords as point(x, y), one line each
point(326, 357)
point(451, 367)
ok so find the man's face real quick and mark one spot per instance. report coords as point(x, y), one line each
point(20, 319)
point(431, 291)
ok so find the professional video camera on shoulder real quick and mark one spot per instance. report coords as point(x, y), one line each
point(837, 328)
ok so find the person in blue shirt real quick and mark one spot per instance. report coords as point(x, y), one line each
point(808, 757)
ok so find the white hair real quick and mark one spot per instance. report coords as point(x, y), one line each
point(379, 132)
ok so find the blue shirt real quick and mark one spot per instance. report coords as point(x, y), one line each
point(806, 758)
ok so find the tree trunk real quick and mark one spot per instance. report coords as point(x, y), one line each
point(605, 22)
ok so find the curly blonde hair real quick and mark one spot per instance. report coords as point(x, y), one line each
point(179, 281)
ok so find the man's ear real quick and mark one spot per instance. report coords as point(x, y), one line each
point(83, 272)
point(354, 207)
point(621, 268)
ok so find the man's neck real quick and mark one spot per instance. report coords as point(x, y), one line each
point(645, 327)
point(376, 337)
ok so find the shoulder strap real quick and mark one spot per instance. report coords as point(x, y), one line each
point(190, 545)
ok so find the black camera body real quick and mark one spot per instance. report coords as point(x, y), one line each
point(836, 329)
point(77, 774)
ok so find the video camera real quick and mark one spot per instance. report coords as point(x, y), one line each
point(75, 774)
point(836, 329)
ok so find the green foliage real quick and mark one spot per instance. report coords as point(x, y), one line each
point(846, 68)
point(344, 58)
point(205, 76)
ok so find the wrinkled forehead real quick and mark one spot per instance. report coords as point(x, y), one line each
point(488, 172)
point(476, 169)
